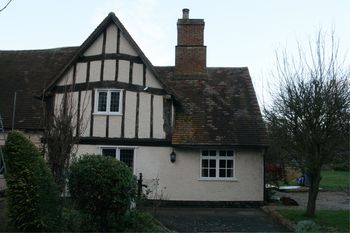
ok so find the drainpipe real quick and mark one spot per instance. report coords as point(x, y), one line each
point(14, 110)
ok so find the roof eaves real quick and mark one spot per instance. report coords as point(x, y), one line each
point(221, 146)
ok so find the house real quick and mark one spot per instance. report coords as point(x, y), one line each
point(194, 132)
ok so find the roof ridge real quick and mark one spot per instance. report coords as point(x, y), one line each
point(41, 50)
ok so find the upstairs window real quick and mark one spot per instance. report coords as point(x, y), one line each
point(108, 101)
point(217, 164)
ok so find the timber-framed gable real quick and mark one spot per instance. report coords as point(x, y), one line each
point(111, 60)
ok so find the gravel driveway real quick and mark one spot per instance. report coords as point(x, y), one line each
point(325, 199)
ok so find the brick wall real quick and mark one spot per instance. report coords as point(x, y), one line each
point(190, 58)
point(190, 34)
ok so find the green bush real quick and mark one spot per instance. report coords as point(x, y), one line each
point(72, 220)
point(103, 188)
point(33, 198)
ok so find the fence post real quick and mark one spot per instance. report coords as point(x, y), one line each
point(139, 186)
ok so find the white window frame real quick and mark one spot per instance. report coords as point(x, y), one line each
point(117, 154)
point(217, 168)
point(108, 112)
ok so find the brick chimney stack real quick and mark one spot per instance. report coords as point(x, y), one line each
point(190, 54)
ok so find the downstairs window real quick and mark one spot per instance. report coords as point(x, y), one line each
point(125, 155)
point(217, 164)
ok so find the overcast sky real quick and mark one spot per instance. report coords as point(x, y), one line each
point(237, 33)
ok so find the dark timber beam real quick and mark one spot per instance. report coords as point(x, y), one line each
point(109, 84)
point(111, 56)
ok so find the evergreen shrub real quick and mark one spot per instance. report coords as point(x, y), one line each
point(32, 195)
point(103, 188)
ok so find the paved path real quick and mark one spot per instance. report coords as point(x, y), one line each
point(217, 219)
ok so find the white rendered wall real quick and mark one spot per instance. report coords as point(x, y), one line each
point(123, 71)
point(95, 71)
point(158, 121)
point(109, 70)
point(96, 47)
point(145, 115)
point(67, 78)
point(111, 39)
point(115, 126)
point(151, 81)
point(85, 113)
point(130, 114)
point(80, 73)
point(180, 180)
point(99, 126)
point(125, 47)
point(137, 74)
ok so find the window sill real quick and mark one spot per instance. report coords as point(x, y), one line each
point(219, 179)
point(106, 114)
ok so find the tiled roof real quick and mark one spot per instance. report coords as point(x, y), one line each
point(27, 72)
point(218, 110)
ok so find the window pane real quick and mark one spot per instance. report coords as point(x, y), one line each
point(212, 173)
point(229, 172)
point(217, 164)
point(127, 156)
point(222, 173)
point(114, 104)
point(212, 163)
point(222, 163)
point(102, 101)
point(204, 172)
point(109, 152)
point(222, 153)
point(212, 153)
point(204, 163)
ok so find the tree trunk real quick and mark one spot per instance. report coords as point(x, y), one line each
point(315, 179)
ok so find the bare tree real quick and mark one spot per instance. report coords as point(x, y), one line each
point(64, 122)
point(4, 7)
point(309, 116)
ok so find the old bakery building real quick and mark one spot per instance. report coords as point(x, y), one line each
point(194, 132)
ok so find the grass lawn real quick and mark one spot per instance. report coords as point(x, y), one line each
point(327, 219)
point(335, 180)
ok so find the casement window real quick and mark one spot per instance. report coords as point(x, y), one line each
point(124, 154)
point(108, 101)
point(217, 165)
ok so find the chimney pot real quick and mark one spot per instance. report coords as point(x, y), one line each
point(185, 13)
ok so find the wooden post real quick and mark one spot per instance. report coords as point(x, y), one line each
point(139, 186)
